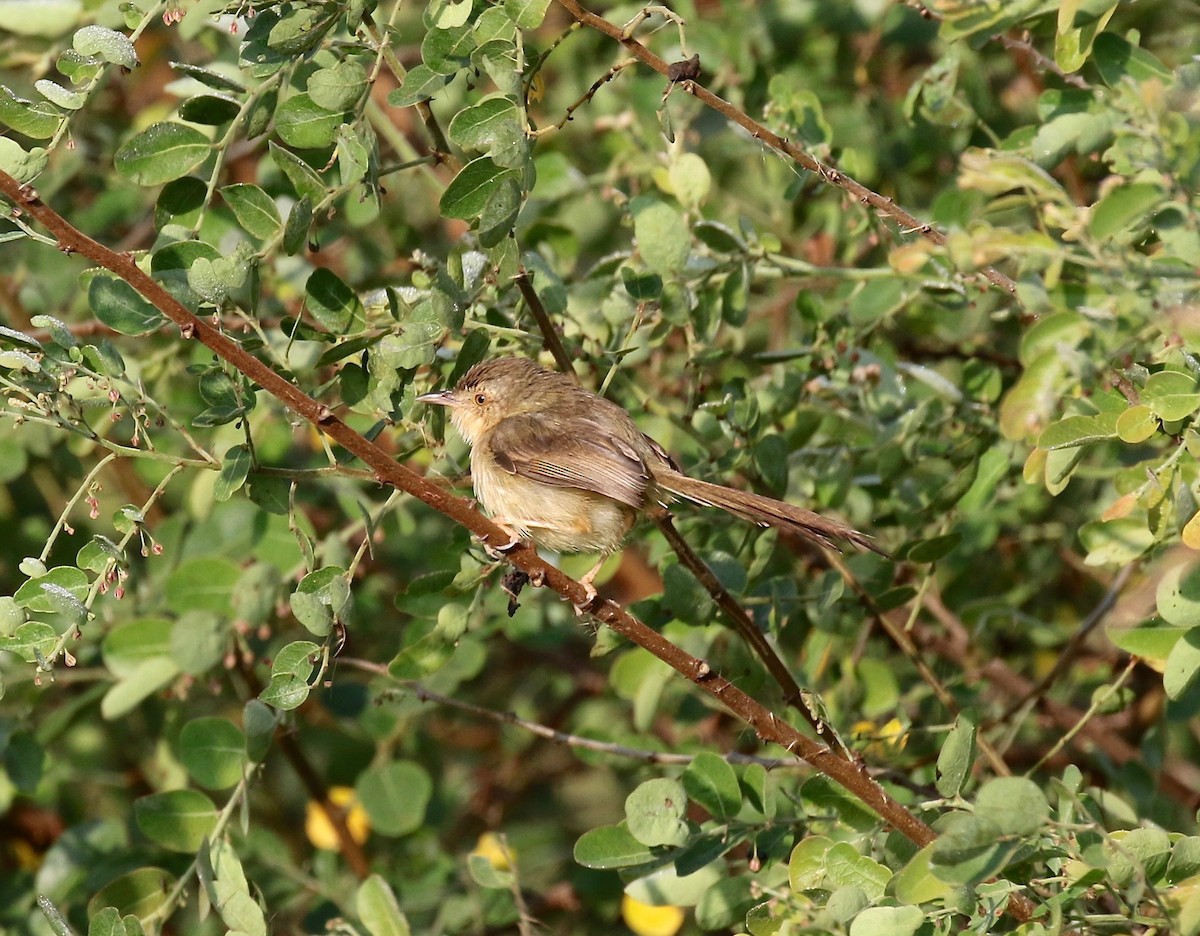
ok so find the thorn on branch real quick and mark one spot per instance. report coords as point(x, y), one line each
point(325, 415)
point(29, 195)
point(188, 330)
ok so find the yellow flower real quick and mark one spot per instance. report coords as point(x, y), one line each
point(498, 853)
point(646, 920)
point(320, 830)
point(879, 739)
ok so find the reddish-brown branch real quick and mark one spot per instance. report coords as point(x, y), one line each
point(766, 725)
point(885, 206)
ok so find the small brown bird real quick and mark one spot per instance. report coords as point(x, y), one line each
point(556, 464)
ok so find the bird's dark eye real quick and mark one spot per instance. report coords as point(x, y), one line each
point(480, 399)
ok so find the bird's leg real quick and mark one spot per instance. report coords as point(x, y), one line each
point(586, 582)
point(514, 538)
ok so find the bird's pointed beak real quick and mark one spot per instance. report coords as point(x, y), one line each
point(439, 398)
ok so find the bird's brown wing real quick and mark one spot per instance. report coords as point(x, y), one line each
point(576, 452)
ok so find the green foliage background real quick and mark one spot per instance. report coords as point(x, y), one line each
point(214, 616)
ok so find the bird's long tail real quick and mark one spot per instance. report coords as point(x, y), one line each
point(765, 511)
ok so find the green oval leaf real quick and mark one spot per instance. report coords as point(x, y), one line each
point(1077, 430)
point(662, 236)
point(610, 847)
point(300, 122)
point(139, 893)
point(377, 906)
point(331, 302)
point(1136, 424)
point(420, 84)
point(1016, 805)
point(235, 468)
point(254, 209)
point(129, 645)
point(38, 120)
point(1115, 542)
point(1177, 597)
point(107, 44)
point(214, 751)
point(445, 51)
point(395, 796)
point(56, 93)
point(162, 152)
point(655, 810)
point(322, 598)
point(468, 192)
point(204, 584)
point(303, 177)
point(60, 590)
point(711, 782)
point(145, 680)
point(338, 88)
point(1121, 211)
point(179, 820)
point(957, 756)
point(477, 127)
point(1183, 664)
point(211, 110)
point(121, 307)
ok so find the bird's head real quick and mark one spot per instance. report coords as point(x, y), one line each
point(494, 390)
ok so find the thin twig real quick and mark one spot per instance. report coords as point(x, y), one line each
point(526, 924)
point(549, 336)
point(1098, 701)
point(793, 695)
point(559, 737)
point(881, 203)
point(84, 487)
point(587, 95)
point(1021, 44)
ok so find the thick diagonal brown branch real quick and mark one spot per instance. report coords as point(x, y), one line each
point(768, 728)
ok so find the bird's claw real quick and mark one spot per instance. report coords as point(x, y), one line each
point(514, 539)
point(593, 597)
point(497, 552)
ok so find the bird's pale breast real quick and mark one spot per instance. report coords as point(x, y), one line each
point(562, 519)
